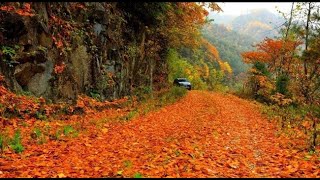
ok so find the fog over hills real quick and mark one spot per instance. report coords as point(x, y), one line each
point(258, 23)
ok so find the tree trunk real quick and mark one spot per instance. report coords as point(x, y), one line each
point(151, 76)
point(306, 39)
point(306, 85)
point(285, 40)
point(290, 20)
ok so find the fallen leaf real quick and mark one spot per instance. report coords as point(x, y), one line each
point(104, 130)
point(61, 175)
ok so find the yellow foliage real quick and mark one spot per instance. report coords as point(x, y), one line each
point(206, 71)
point(225, 66)
point(188, 72)
point(228, 67)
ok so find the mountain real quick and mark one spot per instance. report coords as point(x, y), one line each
point(258, 23)
point(230, 44)
point(232, 35)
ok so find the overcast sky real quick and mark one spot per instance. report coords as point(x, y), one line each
point(231, 8)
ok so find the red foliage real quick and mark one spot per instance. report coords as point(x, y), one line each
point(7, 8)
point(58, 69)
point(25, 11)
point(270, 50)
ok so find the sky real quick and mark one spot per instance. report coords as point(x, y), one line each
point(231, 8)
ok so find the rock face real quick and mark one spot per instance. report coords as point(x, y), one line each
point(92, 46)
point(39, 84)
point(81, 67)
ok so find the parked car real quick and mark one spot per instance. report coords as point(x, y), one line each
point(182, 82)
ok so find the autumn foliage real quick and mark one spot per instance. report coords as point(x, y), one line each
point(184, 20)
point(213, 55)
point(272, 57)
point(274, 52)
point(24, 11)
point(26, 107)
point(167, 133)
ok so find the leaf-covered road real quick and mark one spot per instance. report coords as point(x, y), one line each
point(202, 135)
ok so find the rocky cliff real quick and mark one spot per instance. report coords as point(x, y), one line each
point(61, 50)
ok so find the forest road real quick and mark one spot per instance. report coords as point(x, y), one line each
point(204, 134)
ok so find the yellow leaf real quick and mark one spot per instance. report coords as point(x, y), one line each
point(104, 130)
point(87, 144)
point(96, 168)
point(61, 175)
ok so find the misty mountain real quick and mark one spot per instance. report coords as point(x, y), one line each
point(258, 23)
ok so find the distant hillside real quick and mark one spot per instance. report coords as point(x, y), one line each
point(258, 24)
point(229, 44)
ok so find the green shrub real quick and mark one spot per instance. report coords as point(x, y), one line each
point(8, 54)
point(95, 94)
point(262, 68)
point(282, 83)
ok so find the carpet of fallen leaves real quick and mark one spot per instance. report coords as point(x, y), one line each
point(204, 134)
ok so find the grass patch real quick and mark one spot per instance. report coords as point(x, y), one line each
point(69, 131)
point(127, 163)
point(16, 142)
point(41, 116)
point(131, 114)
point(137, 175)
